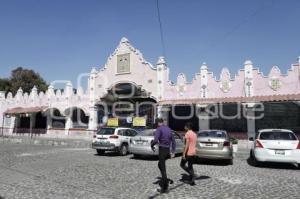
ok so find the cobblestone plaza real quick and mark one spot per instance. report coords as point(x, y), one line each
point(37, 171)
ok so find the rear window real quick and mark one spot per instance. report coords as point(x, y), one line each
point(214, 134)
point(106, 131)
point(273, 135)
point(147, 133)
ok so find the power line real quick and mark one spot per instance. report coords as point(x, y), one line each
point(244, 21)
point(161, 30)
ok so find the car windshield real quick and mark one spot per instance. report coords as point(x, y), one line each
point(149, 132)
point(277, 135)
point(214, 134)
point(106, 131)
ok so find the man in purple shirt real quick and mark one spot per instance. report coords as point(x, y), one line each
point(165, 138)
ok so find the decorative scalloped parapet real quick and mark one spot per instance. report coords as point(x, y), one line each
point(125, 47)
point(161, 66)
point(49, 98)
point(33, 93)
point(274, 78)
point(19, 94)
point(2, 95)
point(127, 65)
point(181, 84)
point(50, 92)
point(204, 81)
point(248, 83)
point(225, 84)
point(274, 72)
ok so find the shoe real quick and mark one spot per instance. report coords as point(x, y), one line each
point(192, 183)
point(162, 190)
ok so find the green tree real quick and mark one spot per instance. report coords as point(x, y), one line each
point(26, 79)
point(5, 85)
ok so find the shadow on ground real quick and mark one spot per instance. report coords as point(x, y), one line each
point(108, 154)
point(184, 180)
point(145, 158)
point(273, 165)
point(216, 162)
point(149, 157)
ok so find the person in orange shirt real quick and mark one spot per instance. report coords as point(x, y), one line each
point(189, 153)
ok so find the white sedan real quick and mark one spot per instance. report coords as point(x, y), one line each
point(275, 145)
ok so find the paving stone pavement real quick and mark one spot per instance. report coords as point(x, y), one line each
point(38, 171)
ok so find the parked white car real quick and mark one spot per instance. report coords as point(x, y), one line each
point(275, 145)
point(113, 139)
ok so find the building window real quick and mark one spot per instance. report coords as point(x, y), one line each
point(275, 84)
point(225, 86)
point(123, 63)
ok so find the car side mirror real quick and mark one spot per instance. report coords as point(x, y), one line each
point(251, 139)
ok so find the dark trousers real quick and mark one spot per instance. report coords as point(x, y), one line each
point(163, 155)
point(189, 168)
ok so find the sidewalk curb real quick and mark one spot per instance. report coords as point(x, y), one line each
point(48, 142)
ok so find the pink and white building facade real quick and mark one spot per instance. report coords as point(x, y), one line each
point(128, 77)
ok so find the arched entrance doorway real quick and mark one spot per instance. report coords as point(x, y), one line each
point(125, 101)
point(78, 117)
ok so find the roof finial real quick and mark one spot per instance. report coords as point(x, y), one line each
point(204, 66)
point(124, 40)
point(248, 62)
point(20, 90)
point(161, 60)
point(94, 70)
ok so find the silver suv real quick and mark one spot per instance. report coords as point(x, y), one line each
point(113, 139)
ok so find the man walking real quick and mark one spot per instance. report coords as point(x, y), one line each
point(165, 138)
point(189, 152)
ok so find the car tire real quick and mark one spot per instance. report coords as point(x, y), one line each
point(230, 162)
point(254, 161)
point(123, 150)
point(100, 152)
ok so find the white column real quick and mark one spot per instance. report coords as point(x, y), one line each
point(14, 122)
point(69, 124)
point(203, 116)
point(161, 68)
point(248, 84)
point(32, 122)
point(163, 112)
point(49, 121)
point(204, 80)
point(250, 116)
point(159, 111)
point(93, 119)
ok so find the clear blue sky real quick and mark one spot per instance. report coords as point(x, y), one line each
point(60, 39)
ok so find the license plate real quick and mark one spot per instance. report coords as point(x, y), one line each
point(208, 144)
point(141, 143)
point(279, 152)
point(104, 143)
